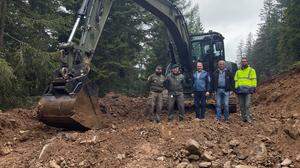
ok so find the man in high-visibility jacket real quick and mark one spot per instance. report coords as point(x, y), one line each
point(245, 85)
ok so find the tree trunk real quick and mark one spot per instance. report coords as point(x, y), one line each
point(2, 21)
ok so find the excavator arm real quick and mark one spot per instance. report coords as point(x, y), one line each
point(71, 98)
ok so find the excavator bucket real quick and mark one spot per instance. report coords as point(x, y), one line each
point(72, 111)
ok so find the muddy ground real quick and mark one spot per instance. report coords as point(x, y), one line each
point(129, 140)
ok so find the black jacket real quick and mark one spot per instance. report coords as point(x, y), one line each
point(229, 81)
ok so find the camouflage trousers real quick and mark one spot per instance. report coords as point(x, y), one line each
point(155, 106)
point(179, 100)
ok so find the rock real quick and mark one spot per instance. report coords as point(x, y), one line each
point(298, 158)
point(90, 141)
point(5, 150)
point(296, 115)
point(208, 156)
point(185, 160)
point(245, 166)
point(193, 157)
point(70, 137)
point(262, 152)
point(82, 163)
point(191, 166)
point(275, 96)
point(162, 158)
point(182, 165)
point(193, 146)
point(225, 151)
point(234, 143)
point(25, 135)
point(216, 164)
point(209, 144)
point(184, 153)
point(46, 150)
point(121, 156)
point(53, 164)
point(293, 130)
point(205, 164)
point(227, 164)
point(286, 162)
point(242, 157)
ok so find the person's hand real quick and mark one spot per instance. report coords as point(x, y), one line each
point(207, 94)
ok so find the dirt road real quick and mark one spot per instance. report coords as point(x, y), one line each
point(273, 140)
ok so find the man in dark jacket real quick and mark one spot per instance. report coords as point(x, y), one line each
point(155, 82)
point(201, 86)
point(174, 84)
point(223, 84)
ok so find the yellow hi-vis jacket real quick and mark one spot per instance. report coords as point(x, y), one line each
point(245, 78)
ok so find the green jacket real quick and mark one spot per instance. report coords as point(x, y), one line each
point(174, 84)
point(156, 82)
point(245, 80)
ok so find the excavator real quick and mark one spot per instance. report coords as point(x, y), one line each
point(70, 100)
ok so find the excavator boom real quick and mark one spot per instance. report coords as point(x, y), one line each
point(71, 99)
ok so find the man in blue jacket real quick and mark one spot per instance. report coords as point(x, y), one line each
point(201, 86)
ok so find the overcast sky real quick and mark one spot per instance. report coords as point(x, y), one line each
point(235, 19)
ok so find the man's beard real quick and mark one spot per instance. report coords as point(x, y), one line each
point(244, 66)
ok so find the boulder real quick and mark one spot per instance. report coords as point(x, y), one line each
point(193, 147)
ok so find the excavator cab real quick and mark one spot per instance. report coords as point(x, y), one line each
point(209, 49)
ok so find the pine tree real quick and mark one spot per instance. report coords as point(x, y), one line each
point(240, 52)
point(289, 47)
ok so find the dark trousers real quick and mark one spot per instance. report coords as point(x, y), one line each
point(245, 101)
point(200, 103)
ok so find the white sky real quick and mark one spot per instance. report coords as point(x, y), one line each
point(235, 19)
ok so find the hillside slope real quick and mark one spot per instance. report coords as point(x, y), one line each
point(129, 140)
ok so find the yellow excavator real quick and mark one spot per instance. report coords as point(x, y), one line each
point(70, 100)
